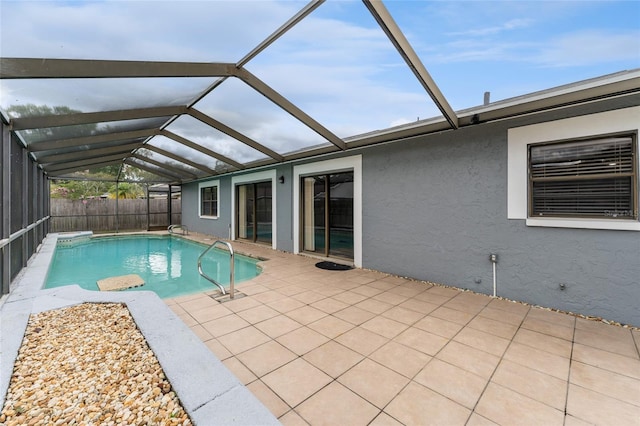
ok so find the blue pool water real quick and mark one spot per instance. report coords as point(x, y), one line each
point(168, 265)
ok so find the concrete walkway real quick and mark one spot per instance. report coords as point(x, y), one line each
point(361, 347)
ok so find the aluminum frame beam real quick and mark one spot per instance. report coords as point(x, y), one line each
point(21, 68)
point(153, 170)
point(81, 163)
point(26, 123)
point(88, 140)
point(396, 36)
point(275, 97)
point(179, 158)
point(59, 173)
point(164, 166)
point(234, 134)
point(201, 149)
point(88, 153)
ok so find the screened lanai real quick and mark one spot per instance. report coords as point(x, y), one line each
point(189, 90)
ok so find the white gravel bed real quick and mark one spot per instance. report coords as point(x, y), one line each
point(88, 365)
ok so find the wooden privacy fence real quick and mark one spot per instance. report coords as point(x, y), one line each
point(99, 214)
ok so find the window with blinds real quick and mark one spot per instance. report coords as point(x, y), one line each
point(209, 201)
point(588, 178)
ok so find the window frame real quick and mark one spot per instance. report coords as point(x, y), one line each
point(607, 214)
point(618, 121)
point(205, 185)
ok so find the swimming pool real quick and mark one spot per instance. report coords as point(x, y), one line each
point(167, 264)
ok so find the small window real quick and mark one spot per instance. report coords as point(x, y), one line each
point(593, 178)
point(209, 201)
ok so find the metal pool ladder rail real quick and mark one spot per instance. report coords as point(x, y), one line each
point(185, 230)
point(231, 267)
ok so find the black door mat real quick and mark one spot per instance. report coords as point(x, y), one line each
point(332, 266)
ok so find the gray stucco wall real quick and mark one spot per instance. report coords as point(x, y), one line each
point(435, 208)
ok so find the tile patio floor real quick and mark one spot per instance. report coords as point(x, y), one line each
point(361, 347)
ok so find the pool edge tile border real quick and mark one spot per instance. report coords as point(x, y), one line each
point(203, 384)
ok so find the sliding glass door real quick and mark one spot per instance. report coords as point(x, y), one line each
point(327, 214)
point(254, 212)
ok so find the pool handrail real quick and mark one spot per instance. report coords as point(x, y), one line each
point(185, 230)
point(231, 268)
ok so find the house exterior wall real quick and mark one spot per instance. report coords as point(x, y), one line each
point(435, 207)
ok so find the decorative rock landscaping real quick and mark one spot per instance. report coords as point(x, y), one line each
point(88, 364)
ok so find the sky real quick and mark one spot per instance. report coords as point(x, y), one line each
point(336, 65)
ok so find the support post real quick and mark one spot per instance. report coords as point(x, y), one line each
point(5, 193)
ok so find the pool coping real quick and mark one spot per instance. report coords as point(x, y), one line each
point(207, 390)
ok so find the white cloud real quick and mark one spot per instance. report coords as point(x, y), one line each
point(512, 24)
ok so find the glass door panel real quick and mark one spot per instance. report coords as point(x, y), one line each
point(341, 215)
point(263, 212)
point(254, 212)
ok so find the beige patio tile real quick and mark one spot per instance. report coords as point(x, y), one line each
point(553, 317)
point(382, 285)
point(302, 340)
point(385, 327)
point(329, 290)
point(198, 302)
point(306, 314)
point(403, 315)
point(285, 304)
point(375, 306)
point(266, 357)
point(484, 341)
point(497, 328)
point(621, 344)
point(544, 342)
point(336, 405)
point(218, 349)
point(361, 340)
point(596, 408)
point(333, 358)
point(474, 360)
point(291, 290)
point(251, 289)
point(329, 305)
point(478, 420)
point(268, 296)
point(421, 340)
point(617, 386)
point(188, 319)
point(393, 279)
point(258, 314)
point(400, 358)
point(383, 419)
point(509, 306)
point(607, 360)
point(452, 315)
point(241, 304)
point(354, 315)
point(243, 339)
point(470, 308)
point(270, 400)
point(308, 297)
point(453, 382)
point(277, 326)
point(532, 383)
point(389, 297)
point(417, 405)
point(536, 359)
point(406, 290)
point(442, 290)
point(209, 313)
point(201, 332)
point(574, 421)
point(545, 327)
point(225, 325)
point(239, 370)
point(374, 382)
point(503, 406)
point(419, 306)
point(331, 326)
point(497, 314)
point(433, 298)
point(366, 290)
point(296, 381)
point(349, 297)
point(438, 326)
point(471, 298)
point(291, 418)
